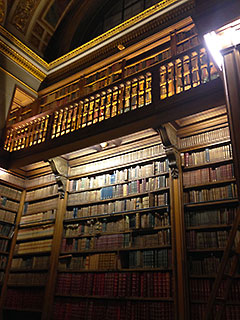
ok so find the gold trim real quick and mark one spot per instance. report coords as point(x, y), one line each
point(21, 61)
point(119, 28)
point(23, 47)
point(20, 81)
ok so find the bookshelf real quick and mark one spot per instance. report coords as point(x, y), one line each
point(116, 247)
point(10, 195)
point(30, 263)
point(210, 200)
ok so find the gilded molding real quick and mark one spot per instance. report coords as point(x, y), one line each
point(23, 14)
point(23, 47)
point(121, 27)
point(21, 61)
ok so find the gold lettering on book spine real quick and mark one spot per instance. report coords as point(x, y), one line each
point(23, 14)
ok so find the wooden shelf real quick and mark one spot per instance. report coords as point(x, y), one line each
point(211, 203)
point(126, 165)
point(4, 253)
point(5, 237)
point(133, 195)
point(36, 223)
point(115, 214)
point(35, 238)
point(212, 183)
point(24, 270)
point(41, 253)
point(7, 209)
point(49, 196)
point(134, 230)
point(143, 269)
point(195, 147)
point(167, 246)
point(26, 285)
point(209, 226)
point(42, 185)
point(22, 309)
point(207, 164)
point(114, 298)
point(206, 250)
point(119, 183)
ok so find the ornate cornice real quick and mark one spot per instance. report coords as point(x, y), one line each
point(21, 61)
point(114, 31)
point(7, 35)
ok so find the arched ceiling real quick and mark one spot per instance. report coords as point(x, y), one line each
point(38, 23)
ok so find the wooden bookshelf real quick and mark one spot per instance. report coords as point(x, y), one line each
point(208, 219)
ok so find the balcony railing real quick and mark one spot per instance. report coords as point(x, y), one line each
point(161, 81)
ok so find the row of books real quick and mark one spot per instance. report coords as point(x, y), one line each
point(3, 261)
point(118, 176)
point(119, 224)
point(60, 101)
point(123, 159)
point(40, 206)
point(9, 204)
point(43, 179)
point(117, 310)
point(6, 191)
point(89, 88)
point(120, 190)
point(34, 262)
point(206, 239)
point(117, 206)
point(116, 241)
point(210, 194)
point(206, 175)
point(205, 266)
point(205, 138)
point(116, 67)
point(59, 93)
point(28, 278)
point(33, 246)
point(3, 245)
point(207, 155)
point(6, 176)
point(35, 232)
point(210, 217)
point(6, 229)
point(201, 289)
point(24, 298)
point(117, 284)
point(101, 242)
point(39, 217)
point(41, 192)
point(231, 312)
point(180, 36)
point(101, 261)
point(193, 42)
point(147, 63)
point(7, 216)
point(157, 258)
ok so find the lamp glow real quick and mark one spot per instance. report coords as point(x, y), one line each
point(213, 44)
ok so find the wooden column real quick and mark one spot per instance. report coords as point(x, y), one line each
point(11, 252)
point(59, 167)
point(231, 71)
point(169, 139)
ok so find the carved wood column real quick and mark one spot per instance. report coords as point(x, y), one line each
point(60, 169)
point(170, 142)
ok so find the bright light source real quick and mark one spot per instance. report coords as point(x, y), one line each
point(213, 44)
point(225, 37)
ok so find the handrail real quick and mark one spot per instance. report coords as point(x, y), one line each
point(162, 80)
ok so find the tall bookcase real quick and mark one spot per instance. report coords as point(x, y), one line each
point(210, 200)
point(32, 248)
point(117, 251)
point(10, 196)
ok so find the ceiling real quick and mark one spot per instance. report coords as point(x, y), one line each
point(38, 23)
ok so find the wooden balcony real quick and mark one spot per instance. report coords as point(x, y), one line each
point(166, 90)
